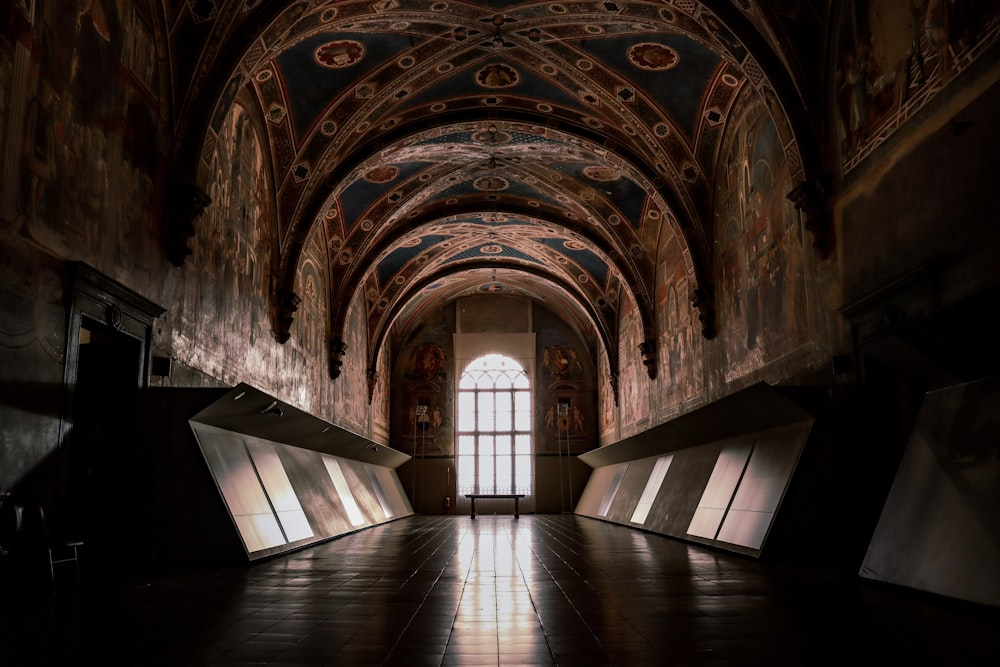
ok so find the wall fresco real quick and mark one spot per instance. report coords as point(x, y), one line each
point(350, 390)
point(32, 354)
point(423, 392)
point(223, 289)
point(760, 254)
point(82, 177)
point(565, 411)
point(679, 352)
point(634, 383)
point(894, 57)
point(15, 45)
point(310, 328)
point(74, 177)
point(607, 408)
point(380, 396)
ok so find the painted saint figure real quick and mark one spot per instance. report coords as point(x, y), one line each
point(561, 361)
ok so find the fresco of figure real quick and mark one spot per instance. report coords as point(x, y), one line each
point(561, 361)
point(38, 164)
point(427, 362)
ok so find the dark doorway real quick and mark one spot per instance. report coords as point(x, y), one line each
point(105, 467)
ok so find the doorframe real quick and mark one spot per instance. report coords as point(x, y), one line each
point(100, 298)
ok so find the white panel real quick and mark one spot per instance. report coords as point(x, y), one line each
point(768, 472)
point(719, 490)
point(767, 475)
point(938, 528)
point(279, 490)
point(652, 488)
point(343, 490)
point(379, 492)
point(612, 490)
point(235, 475)
point(593, 493)
point(393, 490)
point(259, 531)
point(227, 458)
point(746, 528)
point(705, 522)
point(726, 475)
point(295, 525)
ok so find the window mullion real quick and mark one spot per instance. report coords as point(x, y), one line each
point(513, 428)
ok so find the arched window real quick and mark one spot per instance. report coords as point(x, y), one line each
point(494, 427)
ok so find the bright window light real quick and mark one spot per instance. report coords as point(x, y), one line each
point(494, 424)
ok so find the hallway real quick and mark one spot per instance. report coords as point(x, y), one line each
point(543, 590)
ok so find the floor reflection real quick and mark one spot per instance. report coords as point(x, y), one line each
point(543, 590)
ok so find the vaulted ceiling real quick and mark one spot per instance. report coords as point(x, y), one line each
point(452, 148)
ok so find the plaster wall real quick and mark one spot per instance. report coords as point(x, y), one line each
point(88, 183)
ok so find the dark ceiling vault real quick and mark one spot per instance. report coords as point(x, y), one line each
point(539, 149)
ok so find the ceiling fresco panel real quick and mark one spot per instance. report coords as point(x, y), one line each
point(375, 184)
point(673, 70)
point(329, 67)
point(627, 197)
point(494, 250)
point(580, 254)
point(399, 257)
point(495, 75)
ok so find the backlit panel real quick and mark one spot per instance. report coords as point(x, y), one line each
point(719, 490)
point(283, 498)
point(230, 464)
point(376, 484)
point(651, 489)
point(612, 490)
point(343, 490)
point(767, 474)
point(594, 492)
point(278, 495)
point(393, 491)
point(258, 531)
point(356, 476)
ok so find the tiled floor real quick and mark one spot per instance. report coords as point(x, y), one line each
point(543, 590)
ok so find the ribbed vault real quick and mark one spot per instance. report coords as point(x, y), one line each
point(448, 148)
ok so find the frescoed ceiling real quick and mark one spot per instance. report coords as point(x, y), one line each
point(446, 148)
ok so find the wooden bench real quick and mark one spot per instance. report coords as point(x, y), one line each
point(515, 496)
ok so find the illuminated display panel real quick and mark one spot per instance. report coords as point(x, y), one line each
point(236, 478)
point(652, 488)
point(344, 491)
point(719, 490)
point(759, 494)
point(279, 495)
point(612, 490)
point(283, 498)
point(376, 485)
